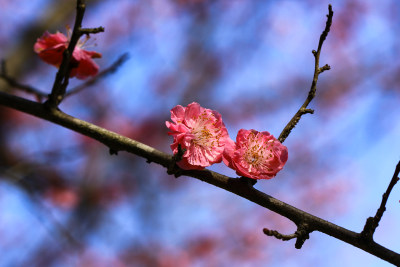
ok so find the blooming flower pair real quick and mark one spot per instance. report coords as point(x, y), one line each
point(203, 136)
point(50, 48)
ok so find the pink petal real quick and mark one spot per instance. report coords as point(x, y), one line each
point(178, 114)
point(192, 113)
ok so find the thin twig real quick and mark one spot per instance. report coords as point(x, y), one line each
point(91, 30)
point(373, 222)
point(62, 77)
point(110, 70)
point(278, 235)
point(15, 84)
point(311, 94)
point(302, 234)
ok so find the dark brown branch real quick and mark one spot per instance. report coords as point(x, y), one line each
point(311, 94)
point(15, 84)
point(173, 168)
point(373, 222)
point(104, 73)
point(118, 142)
point(62, 77)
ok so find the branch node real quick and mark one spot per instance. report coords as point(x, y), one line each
point(248, 181)
point(306, 110)
point(302, 234)
point(173, 168)
point(324, 68)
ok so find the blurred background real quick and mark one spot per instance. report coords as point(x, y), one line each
point(65, 201)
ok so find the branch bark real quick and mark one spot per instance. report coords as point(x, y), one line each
point(239, 187)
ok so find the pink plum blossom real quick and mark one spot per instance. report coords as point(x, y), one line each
point(256, 155)
point(50, 48)
point(200, 132)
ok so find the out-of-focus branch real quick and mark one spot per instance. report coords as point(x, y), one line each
point(239, 187)
point(311, 94)
point(107, 71)
point(41, 95)
point(62, 77)
point(16, 174)
point(15, 84)
point(373, 222)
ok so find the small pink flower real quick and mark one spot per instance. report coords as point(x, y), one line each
point(50, 48)
point(201, 132)
point(257, 155)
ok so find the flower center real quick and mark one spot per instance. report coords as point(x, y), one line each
point(258, 152)
point(254, 155)
point(206, 134)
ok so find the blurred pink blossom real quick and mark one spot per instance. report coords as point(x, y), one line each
point(200, 132)
point(50, 48)
point(257, 155)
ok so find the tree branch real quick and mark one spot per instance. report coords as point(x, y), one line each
point(62, 77)
point(373, 222)
point(311, 94)
point(118, 142)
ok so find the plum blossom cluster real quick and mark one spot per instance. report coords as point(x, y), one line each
point(201, 134)
point(50, 48)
